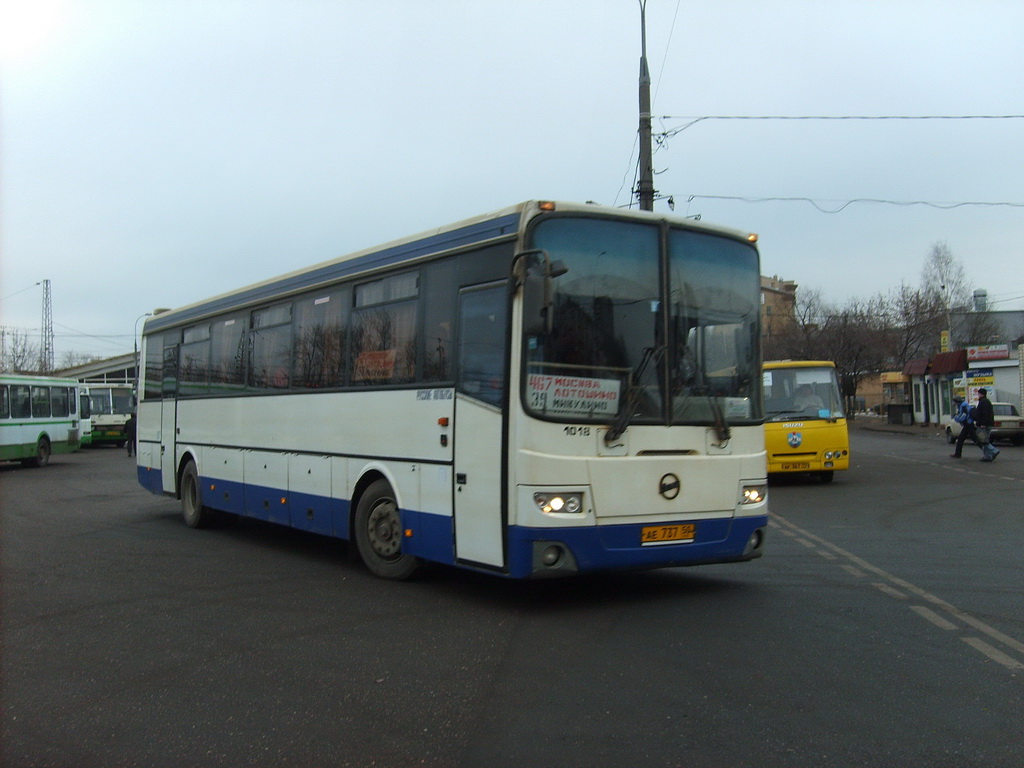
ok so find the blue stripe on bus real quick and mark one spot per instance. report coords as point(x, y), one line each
point(151, 478)
point(431, 534)
point(595, 548)
point(474, 233)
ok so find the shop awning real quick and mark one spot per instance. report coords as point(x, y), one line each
point(949, 362)
point(917, 367)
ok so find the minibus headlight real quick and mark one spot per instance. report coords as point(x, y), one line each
point(558, 502)
point(754, 494)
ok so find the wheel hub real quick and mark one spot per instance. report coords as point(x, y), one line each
point(385, 529)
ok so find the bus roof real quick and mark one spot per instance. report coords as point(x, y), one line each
point(28, 378)
point(772, 364)
point(495, 226)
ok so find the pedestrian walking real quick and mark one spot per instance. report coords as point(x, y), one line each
point(984, 420)
point(129, 433)
point(964, 416)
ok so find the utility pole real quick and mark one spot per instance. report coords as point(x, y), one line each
point(46, 343)
point(645, 185)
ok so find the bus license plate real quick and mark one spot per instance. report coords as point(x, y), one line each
point(798, 465)
point(681, 533)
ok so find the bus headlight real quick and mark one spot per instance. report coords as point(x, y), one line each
point(558, 502)
point(754, 494)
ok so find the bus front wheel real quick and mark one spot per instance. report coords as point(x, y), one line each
point(192, 509)
point(827, 475)
point(378, 533)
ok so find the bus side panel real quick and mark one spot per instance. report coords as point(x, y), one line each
point(433, 537)
point(340, 495)
point(223, 479)
point(309, 493)
point(147, 460)
point(265, 476)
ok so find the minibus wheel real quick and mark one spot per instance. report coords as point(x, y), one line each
point(378, 533)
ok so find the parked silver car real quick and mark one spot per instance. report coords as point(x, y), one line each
point(1009, 425)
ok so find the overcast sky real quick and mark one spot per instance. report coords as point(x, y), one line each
point(157, 152)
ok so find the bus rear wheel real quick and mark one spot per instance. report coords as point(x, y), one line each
point(378, 533)
point(42, 457)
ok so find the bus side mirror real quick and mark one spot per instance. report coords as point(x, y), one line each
point(535, 273)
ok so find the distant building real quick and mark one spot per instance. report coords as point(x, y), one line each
point(117, 369)
point(986, 327)
point(778, 305)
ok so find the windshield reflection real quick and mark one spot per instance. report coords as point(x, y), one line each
point(618, 348)
point(802, 392)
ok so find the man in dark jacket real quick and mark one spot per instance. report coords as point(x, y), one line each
point(983, 417)
point(129, 434)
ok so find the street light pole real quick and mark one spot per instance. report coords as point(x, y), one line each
point(645, 184)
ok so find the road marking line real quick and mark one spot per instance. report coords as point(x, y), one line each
point(966, 618)
point(827, 555)
point(993, 653)
point(853, 571)
point(885, 588)
point(955, 467)
point(933, 617)
point(806, 543)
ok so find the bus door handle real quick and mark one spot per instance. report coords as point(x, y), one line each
point(460, 478)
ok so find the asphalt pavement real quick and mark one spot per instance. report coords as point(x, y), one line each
point(881, 424)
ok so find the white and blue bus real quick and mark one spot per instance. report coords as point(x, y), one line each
point(39, 416)
point(549, 389)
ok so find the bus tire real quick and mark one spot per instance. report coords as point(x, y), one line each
point(827, 475)
point(42, 457)
point(378, 533)
point(192, 509)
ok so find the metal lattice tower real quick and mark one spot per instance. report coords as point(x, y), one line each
point(46, 342)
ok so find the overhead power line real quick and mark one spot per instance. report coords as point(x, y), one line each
point(693, 120)
point(843, 204)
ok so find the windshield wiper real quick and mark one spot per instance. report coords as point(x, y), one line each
point(633, 393)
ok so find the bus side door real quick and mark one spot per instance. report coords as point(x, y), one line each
point(480, 458)
point(169, 420)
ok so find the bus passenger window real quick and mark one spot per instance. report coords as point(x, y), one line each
point(482, 344)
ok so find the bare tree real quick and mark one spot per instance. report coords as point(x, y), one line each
point(914, 320)
point(944, 279)
point(800, 339)
point(71, 359)
point(19, 354)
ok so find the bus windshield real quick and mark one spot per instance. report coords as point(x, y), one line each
point(663, 323)
point(107, 402)
point(801, 392)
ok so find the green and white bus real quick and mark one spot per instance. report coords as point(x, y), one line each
point(111, 405)
point(39, 416)
point(545, 390)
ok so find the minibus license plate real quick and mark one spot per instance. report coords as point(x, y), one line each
point(798, 465)
point(681, 533)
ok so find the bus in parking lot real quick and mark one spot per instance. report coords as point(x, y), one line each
point(110, 405)
point(805, 423)
point(39, 416)
point(545, 390)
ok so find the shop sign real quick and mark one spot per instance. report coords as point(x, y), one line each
point(988, 352)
